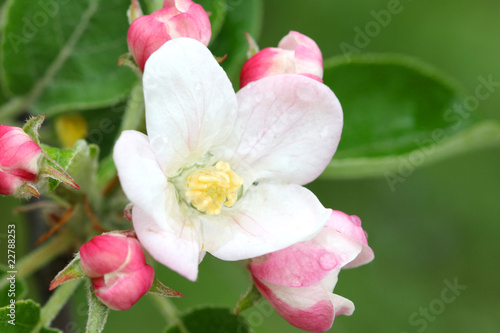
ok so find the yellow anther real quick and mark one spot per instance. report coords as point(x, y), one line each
point(210, 188)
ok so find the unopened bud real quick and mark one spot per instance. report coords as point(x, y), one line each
point(178, 18)
point(295, 54)
point(118, 270)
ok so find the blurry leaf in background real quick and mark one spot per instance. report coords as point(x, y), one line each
point(400, 111)
point(3, 99)
point(26, 318)
point(241, 16)
point(5, 286)
point(211, 320)
point(63, 54)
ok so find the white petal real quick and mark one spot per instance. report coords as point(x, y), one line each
point(268, 217)
point(141, 177)
point(342, 305)
point(179, 251)
point(190, 103)
point(288, 128)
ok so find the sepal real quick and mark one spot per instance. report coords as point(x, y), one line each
point(53, 170)
point(160, 289)
point(72, 271)
point(27, 189)
point(32, 126)
point(134, 11)
point(247, 300)
point(253, 48)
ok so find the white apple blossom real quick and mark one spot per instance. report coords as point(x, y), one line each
point(221, 172)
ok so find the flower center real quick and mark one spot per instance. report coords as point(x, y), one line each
point(210, 188)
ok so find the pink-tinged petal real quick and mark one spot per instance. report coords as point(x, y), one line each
point(269, 61)
point(268, 217)
point(104, 254)
point(112, 252)
point(146, 35)
point(125, 290)
point(307, 263)
point(178, 19)
point(19, 159)
point(288, 129)
point(190, 103)
point(194, 23)
point(308, 58)
point(18, 150)
point(141, 177)
point(308, 308)
point(295, 54)
point(178, 250)
point(350, 226)
point(135, 259)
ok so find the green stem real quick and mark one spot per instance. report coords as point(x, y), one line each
point(44, 254)
point(55, 303)
point(133, 117)
point(41, 256)
point(169, 311)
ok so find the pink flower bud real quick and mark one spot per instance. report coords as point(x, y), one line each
point(19, 159)
point(298, 281)
point(178, 18)
point(295, 54)
point(118, 270)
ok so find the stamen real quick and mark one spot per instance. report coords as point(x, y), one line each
point(210, 188)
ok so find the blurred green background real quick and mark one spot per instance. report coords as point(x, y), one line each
point(441, 223)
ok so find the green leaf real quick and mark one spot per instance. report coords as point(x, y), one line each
point(211, 320)
point(217, 13)
point(399, 114)
point(62, 55)
point(247, 300)
point(241, 17)
point(98, 312)
point(59, 161)
point(20, 318)
point(23, 317)
point(6, 291)
point(80, 162)
point(83, 167)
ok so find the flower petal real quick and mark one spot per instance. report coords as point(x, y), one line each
point(350, 226)
point(269, 217)
point(140, 175)
point(190, 103)
point(308, 58)
point(288, 128)
point(342, 305)
point(308, 262)
point(178, 251)
point(308, 308)
point(126, 290)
